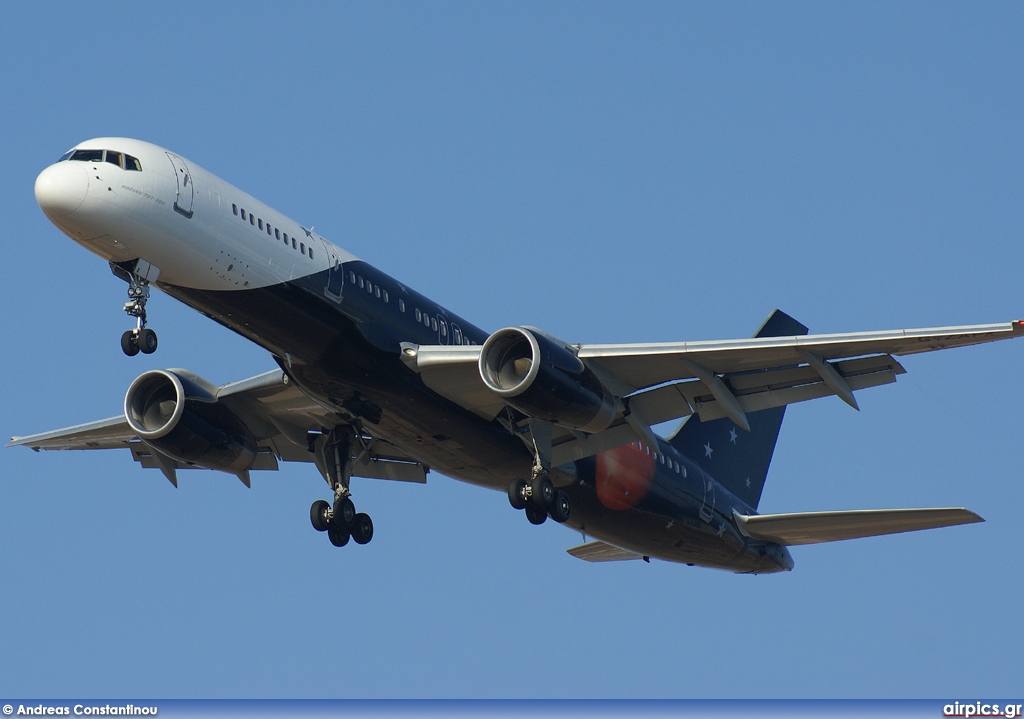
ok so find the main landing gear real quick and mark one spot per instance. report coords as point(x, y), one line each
point(141, 339)
point(539, 499)
point(340, 520)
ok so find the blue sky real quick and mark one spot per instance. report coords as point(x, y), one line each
point(610, 173)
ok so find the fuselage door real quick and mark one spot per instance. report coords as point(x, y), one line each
point(186, 189)
point(708, 504)
point(442, 330)
point(335, 273)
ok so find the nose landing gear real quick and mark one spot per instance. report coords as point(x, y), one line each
point(141, 339)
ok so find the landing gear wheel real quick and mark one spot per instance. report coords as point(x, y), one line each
point(535, 514)
point(128, 345)
point(517, 493)
point(318, 515)
point(362, 528)
point(561, 508)
point(542, 492)
point(146, 341)
point(344, 512)
point(338, 537)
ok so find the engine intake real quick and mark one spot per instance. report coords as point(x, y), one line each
point(174, 414)
point(540, 376)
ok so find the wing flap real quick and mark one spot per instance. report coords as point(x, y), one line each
point(815, 527)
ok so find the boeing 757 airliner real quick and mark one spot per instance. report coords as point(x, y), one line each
point(375, 380)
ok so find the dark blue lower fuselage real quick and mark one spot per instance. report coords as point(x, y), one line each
point(337, 335)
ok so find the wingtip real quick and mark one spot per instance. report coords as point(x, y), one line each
point(973, 517)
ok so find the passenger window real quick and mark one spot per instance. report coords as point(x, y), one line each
point(351, 276)
point(458, 335)
point(444, 328)
point(268, 230)
point(294, 244)
point(369, 287)
point(132, 163)
point(302, 247)
point(419, 315)
point(252, 219)
point(88, 155)
point(310, 253)
point(433, 324)
point(426, 321)
point(261, 224)
point(114, 158)
point(243, 214)
point(385, 296)
point(376, 291)
point(401, 305)
point(361, 285)
point(277, 233)
point(234, 209)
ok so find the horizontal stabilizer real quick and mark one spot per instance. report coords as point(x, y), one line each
point(601, 552)
point(815, 527)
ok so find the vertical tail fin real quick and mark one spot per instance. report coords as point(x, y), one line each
point(738, 459)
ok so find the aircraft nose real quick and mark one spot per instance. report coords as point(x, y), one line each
point(61, 188)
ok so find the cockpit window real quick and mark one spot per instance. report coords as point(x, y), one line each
point(112, 156)
point(88, 155)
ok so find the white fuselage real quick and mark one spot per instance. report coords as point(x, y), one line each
point(122, 215)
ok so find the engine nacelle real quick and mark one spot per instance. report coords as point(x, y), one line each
point(540, 376)
point(175, 414)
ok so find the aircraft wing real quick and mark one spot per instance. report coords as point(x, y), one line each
point(646, 365)
point(728, 378)
point(110, 433)
point(277, 413)
point(815, 527)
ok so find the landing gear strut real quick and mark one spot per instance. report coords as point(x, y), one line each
point(141, 339)
point(340, 520)
point(538, 497)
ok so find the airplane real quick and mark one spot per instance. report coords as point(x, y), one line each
point(375, 380)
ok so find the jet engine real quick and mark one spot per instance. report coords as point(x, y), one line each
point(174, 414)
point(540, 376)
